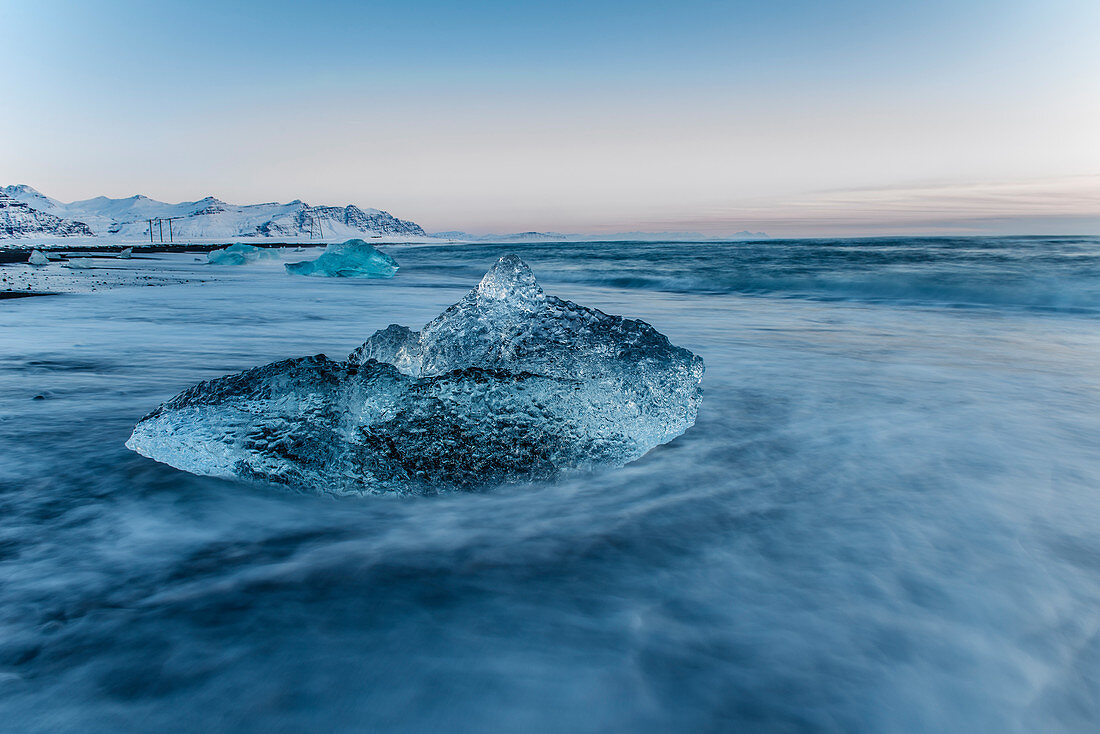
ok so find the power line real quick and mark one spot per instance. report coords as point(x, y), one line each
point(159, 221)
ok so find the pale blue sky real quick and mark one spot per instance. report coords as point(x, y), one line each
point(791, 116)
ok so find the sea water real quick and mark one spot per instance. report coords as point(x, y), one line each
point(886, 519)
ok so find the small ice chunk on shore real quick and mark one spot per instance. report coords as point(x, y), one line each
point(508, 384)
point(37, 258)
point(239, 254)
point(352, 259)
point(126, 254)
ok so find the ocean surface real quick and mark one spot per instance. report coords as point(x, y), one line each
point(886, 519)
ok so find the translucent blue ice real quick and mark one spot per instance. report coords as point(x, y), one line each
point(239, 254)
point(352, 259)
point(507, 384)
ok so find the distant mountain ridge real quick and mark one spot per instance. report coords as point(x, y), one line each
point(612, 237)
point(25, 212)
point(29, 214)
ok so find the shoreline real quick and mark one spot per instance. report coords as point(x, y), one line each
point(83, 269)
point(20, 254)
point(10, 295)
point(101, 269)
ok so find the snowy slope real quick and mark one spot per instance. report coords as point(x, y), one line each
point(18, 219)
point(207, 219)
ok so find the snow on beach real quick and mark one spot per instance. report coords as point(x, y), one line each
point(69, 271)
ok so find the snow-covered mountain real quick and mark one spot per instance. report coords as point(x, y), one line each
point(19, 219)
point(127, 220)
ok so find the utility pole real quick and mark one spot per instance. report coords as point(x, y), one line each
point(171, 238)
point(150, 231)
point(313, 219)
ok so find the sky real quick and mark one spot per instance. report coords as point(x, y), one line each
point(793, 117)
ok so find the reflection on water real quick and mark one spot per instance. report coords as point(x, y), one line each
point(885, 519)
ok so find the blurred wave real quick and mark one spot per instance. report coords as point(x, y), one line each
point(885, 520)
point(1040, 273)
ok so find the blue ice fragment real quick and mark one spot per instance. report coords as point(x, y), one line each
point(352, 259)
point(239, 254)
point(509, 384)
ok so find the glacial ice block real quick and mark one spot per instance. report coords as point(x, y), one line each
point(508, 384)
point(239, 254)
point(352, 259)
point(38, 258)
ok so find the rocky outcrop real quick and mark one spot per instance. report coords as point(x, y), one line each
point(18, 219)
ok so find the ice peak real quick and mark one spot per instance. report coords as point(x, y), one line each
point(509, 280)
point(507, 385)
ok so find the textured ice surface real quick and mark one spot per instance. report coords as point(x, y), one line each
point(239, 254)
point(37, 258)
point(352, 259)
point(507, 384)
point(126, 253)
